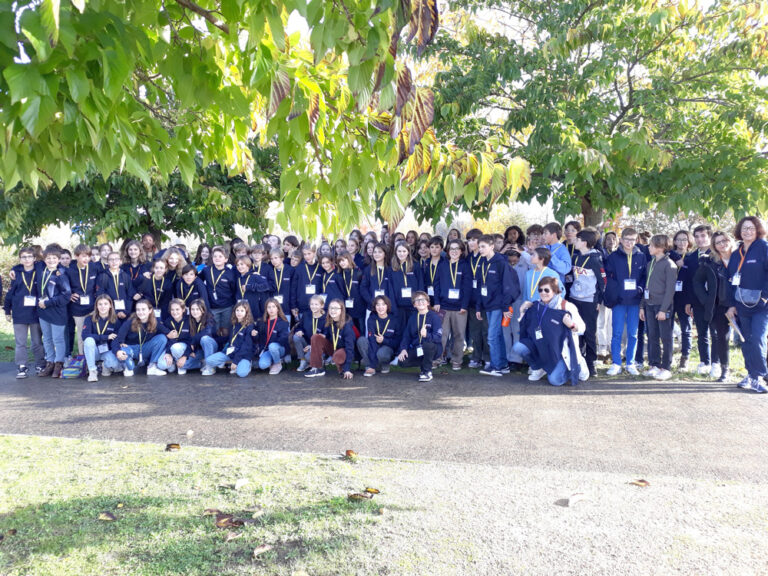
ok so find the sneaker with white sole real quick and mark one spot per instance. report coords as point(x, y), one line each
point(153, 370)
point(632, 370)
point(105, 372)
point(385, 368)
point(127, 372)
point(455, 367)
point(703, 369)
point(93, 376)
point(651, 372)
point(756, 385)
point(314, 373)
point(425, 377)
point(614, 370)
point(663, 374)
point(491, 372)
point(303, 365)
point(181, 371)
point(536, 375)
point(475, 364)
point(276, 368)
point(714, 370)
point(369, 372)
point(22, 373)
point(744, 383)
point(208, 371)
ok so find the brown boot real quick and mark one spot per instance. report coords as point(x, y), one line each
point(57, 368)
point(47, 371)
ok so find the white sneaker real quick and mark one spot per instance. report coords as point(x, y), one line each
point(651, 372)
point(632, 370)
point(105, 372)
point(714, 371)
point(303, 365)
point(663, 375)
point(703, 369)
point(276, 368)
point(93, 376)
point(153, 370)
point(536, 375)
point(614, 370)
point(181, 371)
point(127, 373)
point(208, 371)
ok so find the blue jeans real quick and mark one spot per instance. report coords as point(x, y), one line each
point(222, 316)
point(629, 316)
point(272, 355)
point(754, 327)
point(496, 344)
point(218, 359)
point(54, 341)
point(149, 353)
point(177, 351)
point(299, 342)
point(208, 346)
point(92, 355)
point(557, 377)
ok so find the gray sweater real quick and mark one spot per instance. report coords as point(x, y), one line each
point(660, 284)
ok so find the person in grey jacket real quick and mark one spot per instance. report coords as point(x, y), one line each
point(657, 306)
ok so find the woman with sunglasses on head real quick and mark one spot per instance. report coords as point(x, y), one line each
point(548, 340)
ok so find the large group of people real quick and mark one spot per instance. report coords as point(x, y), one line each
point(549, 300)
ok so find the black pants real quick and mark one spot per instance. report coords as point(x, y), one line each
point(478, 331)
point(721, 334)
point(425, 361)
point(659, 338)
point(685, 329)
point(588, 342)
point(640, 343)
point(703, 328)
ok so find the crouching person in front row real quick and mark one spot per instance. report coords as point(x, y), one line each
point(422, 339)
point(179, 338)
point(237, 346)
point(309, 324)
point(202, 329)
point(547, 342)
point(140, 341)
point(99, 330)
point(272, 332)
point(336, 341)
point(378, 346)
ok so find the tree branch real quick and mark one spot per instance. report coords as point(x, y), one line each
point(207, 14)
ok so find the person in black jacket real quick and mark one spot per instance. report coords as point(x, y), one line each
point(99, 330)
point(377, 347)
point(202, 327)
point(336, 341)
point(422, 339)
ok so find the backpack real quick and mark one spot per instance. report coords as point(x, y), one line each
point(75, 368)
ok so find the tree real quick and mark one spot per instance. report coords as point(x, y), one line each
point(153, 88)
point(616, 104)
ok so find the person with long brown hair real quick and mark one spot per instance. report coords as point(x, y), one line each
point(99, 329)
point(140, 340)
point(237, 345)
point(272, 331)
point(336, 341)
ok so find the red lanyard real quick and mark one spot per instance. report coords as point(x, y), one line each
point(270, 329)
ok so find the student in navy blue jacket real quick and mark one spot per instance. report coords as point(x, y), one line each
point(54, 295)
point(454, 283)
point(354, 250)
point(625, 271)
point(349, 279)
point(250, 286)
point(116, 284)
point(377, 278)
point(273, 332)
point(157, 289)
point(135, 264)
point(99, 330)
point(337, 341)
point(220, 284)
point(748, 271)
point(141, 340)
point(407, 278)
point(82, 280)
point(430, 268)
point(309, 324)
point(499, 288)
point(477, 325)
point(191, 287)
point(202, 329)
point(307, 280)
point(330, 289)
point(262, 269)
point(378, 345)
point(237, 346)
point(179, 337)
point(422, 339)
point(702, 235)
point(283, 277)
point(682, 241)
point(21, 308)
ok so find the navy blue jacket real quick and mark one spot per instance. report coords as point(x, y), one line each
point(105, 284)
point(345, 339)
point(330, 286)
point(349, 284)
point(389, 327)
point(223, 296)
point(431, 277)
point(265, 271)
point(414, 280)
point(254, 288)
point(189, 293)
point(207, 328)
point(282, 282)
point(136, 273)
point(680, 296)
point(617, 270)
point(546, 352)
point(474, 261)
point(182, 327)
point(91, 329)
point(310, 326)
point(127, 336)
point(54, 288)
point(445, 277)
point(306, 275)
point(359, 261)
point(158, 292)
point(280, 333)
point(83, 278)
point(754, 275)
point(370, 285)
point(240, 338)
point(14, 299)
point(501, 282)
point(412, 337)
point(690, 266)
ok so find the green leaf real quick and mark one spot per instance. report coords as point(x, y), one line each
point(79, 4)
point(79, 86)
point(36, 114)
point(49, 14)
point(276, 26)
point(36, 33)
point(24, 80)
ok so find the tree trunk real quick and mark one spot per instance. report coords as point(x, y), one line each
point(593, 217)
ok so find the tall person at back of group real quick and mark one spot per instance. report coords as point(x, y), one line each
point(221, 285)
point(702, 236)
point(477, 324)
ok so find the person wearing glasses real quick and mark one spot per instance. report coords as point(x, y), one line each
point(337, 341)
point(748, 272)
point(547, 337)
point(454, 287)
point(422, 340)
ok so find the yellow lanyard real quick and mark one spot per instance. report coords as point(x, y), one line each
point(189, 292)
point(31, 281)
point(432, 270)
point(314, 324)
point(83, 285)
point(335, 336)
point(47, 279)
point(101, 330)
point(650, 272)
point(454, 271)
point(380, 275)
point(279, 281)
point(154, 289)
point(258, 270)
point(485, 271)
point(379, 330)
point(180, 328)
point(348, 285)
point(572, 247)
point(216, 280)
point(141, 340)
point(423, 325)
point(629, 262)
point(325, 282)
point(474, 268)
point(116, 280)
point(583, 263)
point(232, 341)
point(404, 270)
point(535, 282)
point(311, 276)
point(240, 285)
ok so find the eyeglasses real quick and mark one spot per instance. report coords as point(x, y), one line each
point(26, 256)
point(419, 300)
point(721, 242)
point(748, 229)
point(336, 308)
point(544, 290)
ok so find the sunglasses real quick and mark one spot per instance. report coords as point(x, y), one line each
point(544, 290)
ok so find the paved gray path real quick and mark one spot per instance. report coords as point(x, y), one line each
point(693, 429)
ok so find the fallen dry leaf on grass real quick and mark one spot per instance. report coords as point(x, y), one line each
point(120, 504)
point(228, 521)
point(211, 512)
point(259, 550)
point(350, 455)
point(173, 447)
point(357, 497)
point(372, 491)
point(232, 536)
point(107, 517)
point(642, 483)
point(9, 348)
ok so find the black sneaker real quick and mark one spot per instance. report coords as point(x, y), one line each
point(22, 373)
point(425, 377)
point(314, 372)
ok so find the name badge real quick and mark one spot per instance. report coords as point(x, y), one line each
point(119, 304)
point(310, 289)
point(679, 286)
point(419, 352)
point(484, 291)
point(736, 280)
point(630, 284)
point(158, 313)
point(85, 300)
point(215, 296)
point(474, 283)
point(230, 350)
point(539, 335)
point(279, 298)
point(30, 301)
point(406, 292)
point(646, 294)
point(103, 348)
point(378, 293)
point(349, 303)
point(453, 293)
point(431, 290)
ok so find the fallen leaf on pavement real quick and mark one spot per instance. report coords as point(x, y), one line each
point(107, 517)
point(358, 497)
point(642, 483)
point(259, 550)
point(173, 447)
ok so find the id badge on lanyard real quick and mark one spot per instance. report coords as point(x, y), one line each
point(119, 305)
point(630, 284)
point(30, 301)
point(453, 293)
point(85, 300)
point(484, 291)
